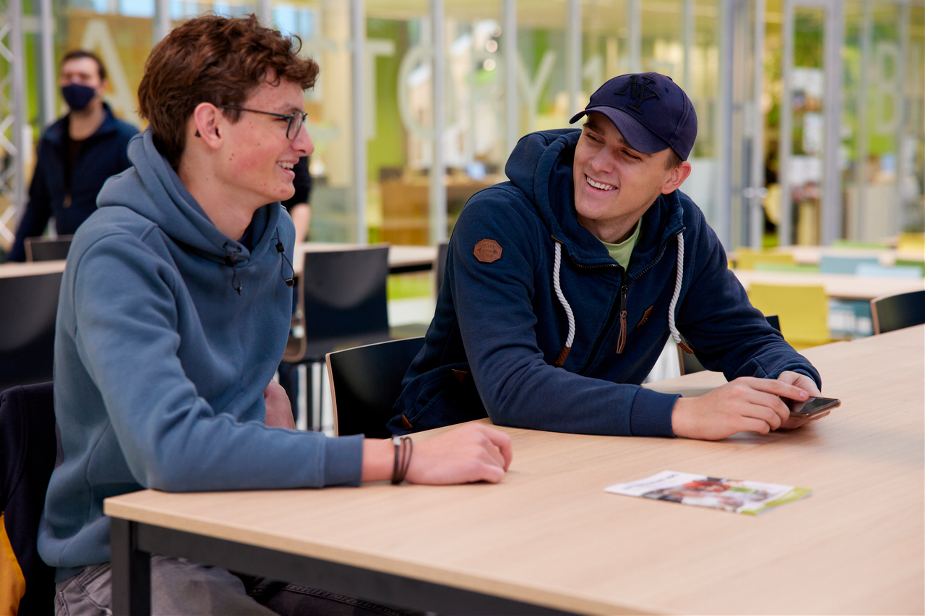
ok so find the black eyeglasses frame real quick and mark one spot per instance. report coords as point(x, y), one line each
point(292, 117)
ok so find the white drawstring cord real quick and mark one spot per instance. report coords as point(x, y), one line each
point(565, 306)
point(674, 298)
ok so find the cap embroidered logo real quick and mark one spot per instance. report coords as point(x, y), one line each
point(487, 251)
point(640, 91)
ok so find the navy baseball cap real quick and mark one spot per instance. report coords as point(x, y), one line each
point(650, 111)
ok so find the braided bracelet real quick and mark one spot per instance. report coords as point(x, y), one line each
point(403, 448)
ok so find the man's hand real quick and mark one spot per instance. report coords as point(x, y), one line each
point(279, 409)
point(473, 452)
point(809, 386)
point(746, 403)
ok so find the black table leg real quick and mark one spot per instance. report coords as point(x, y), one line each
point(131, 571)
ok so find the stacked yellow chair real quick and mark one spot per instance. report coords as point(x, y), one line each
point(747, 258)
point(803, 311)
point(911, 242)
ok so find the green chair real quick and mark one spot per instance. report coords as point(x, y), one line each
point(859, 244)
point(791, 268)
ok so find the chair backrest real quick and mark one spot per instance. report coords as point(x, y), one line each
point(746, 258)
point(366, 382)
point(791, 268)
point(892, 312)
point(911, 242)
point(838, 264)
point(802, 310)
point(47, 249)
point(440, 265)
point(28, 308)
point(843, 243)
point(690, 364)
point(343, 299)
point(27, 458)
point(887, 271)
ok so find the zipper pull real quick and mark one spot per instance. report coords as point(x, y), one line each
point(621, 341)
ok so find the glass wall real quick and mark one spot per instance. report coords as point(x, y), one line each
point(704, 45)
point(883, 130)
point(324, 28)
point(678, 38)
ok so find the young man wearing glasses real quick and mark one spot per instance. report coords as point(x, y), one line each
point(174, 314)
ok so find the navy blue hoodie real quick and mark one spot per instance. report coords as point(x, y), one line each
point(168, 332)
point(71, 200)
point(500, 327)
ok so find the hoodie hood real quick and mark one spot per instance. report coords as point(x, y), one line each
point(541, 167)
point(153, 190)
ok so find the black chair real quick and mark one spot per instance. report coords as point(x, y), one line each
point(366, 382)
point(892, 312)
point(440, 265)
point(342, 305)
point(27, 458)
point(46, 249)
point(690, 364)
point(28, 308)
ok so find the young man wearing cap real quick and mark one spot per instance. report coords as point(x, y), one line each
point(563, 285)
point(175, 309)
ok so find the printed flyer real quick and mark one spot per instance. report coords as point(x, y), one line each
point(748, 497)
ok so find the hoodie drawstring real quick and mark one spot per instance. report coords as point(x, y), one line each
point(284, 260)
point(571, 317)
point(232, 262)
point(674, 298)
point(560, 361)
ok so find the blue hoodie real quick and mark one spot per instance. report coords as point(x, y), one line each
point(552, 296)
point(167, 334)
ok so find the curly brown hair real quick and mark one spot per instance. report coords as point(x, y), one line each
point(217, 60)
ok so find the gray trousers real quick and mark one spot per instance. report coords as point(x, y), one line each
point(179, 587)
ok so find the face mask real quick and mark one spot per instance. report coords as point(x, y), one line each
point(77, 96)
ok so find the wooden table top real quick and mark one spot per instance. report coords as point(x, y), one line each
point(910, 337)
point(12, 270)
point(399, 256)
point(549, 534)
point(844, 286)
point(812, 255)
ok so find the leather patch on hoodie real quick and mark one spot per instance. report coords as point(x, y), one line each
point(487, 251)
point(405, 423)
point(645, 316)
point(460, 375)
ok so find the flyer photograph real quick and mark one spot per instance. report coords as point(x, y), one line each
point(737, 496)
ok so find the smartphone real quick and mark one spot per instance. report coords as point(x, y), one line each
point(812, 407)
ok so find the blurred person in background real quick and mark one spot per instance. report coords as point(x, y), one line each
point(76, 155)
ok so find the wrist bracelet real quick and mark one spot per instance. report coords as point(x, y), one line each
point(403, 448)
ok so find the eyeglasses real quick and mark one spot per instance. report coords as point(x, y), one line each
point(296, 119)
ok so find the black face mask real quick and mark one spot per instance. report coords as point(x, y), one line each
point(77, 96)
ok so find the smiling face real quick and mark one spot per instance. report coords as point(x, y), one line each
point(257, 156)
point(615, 184)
